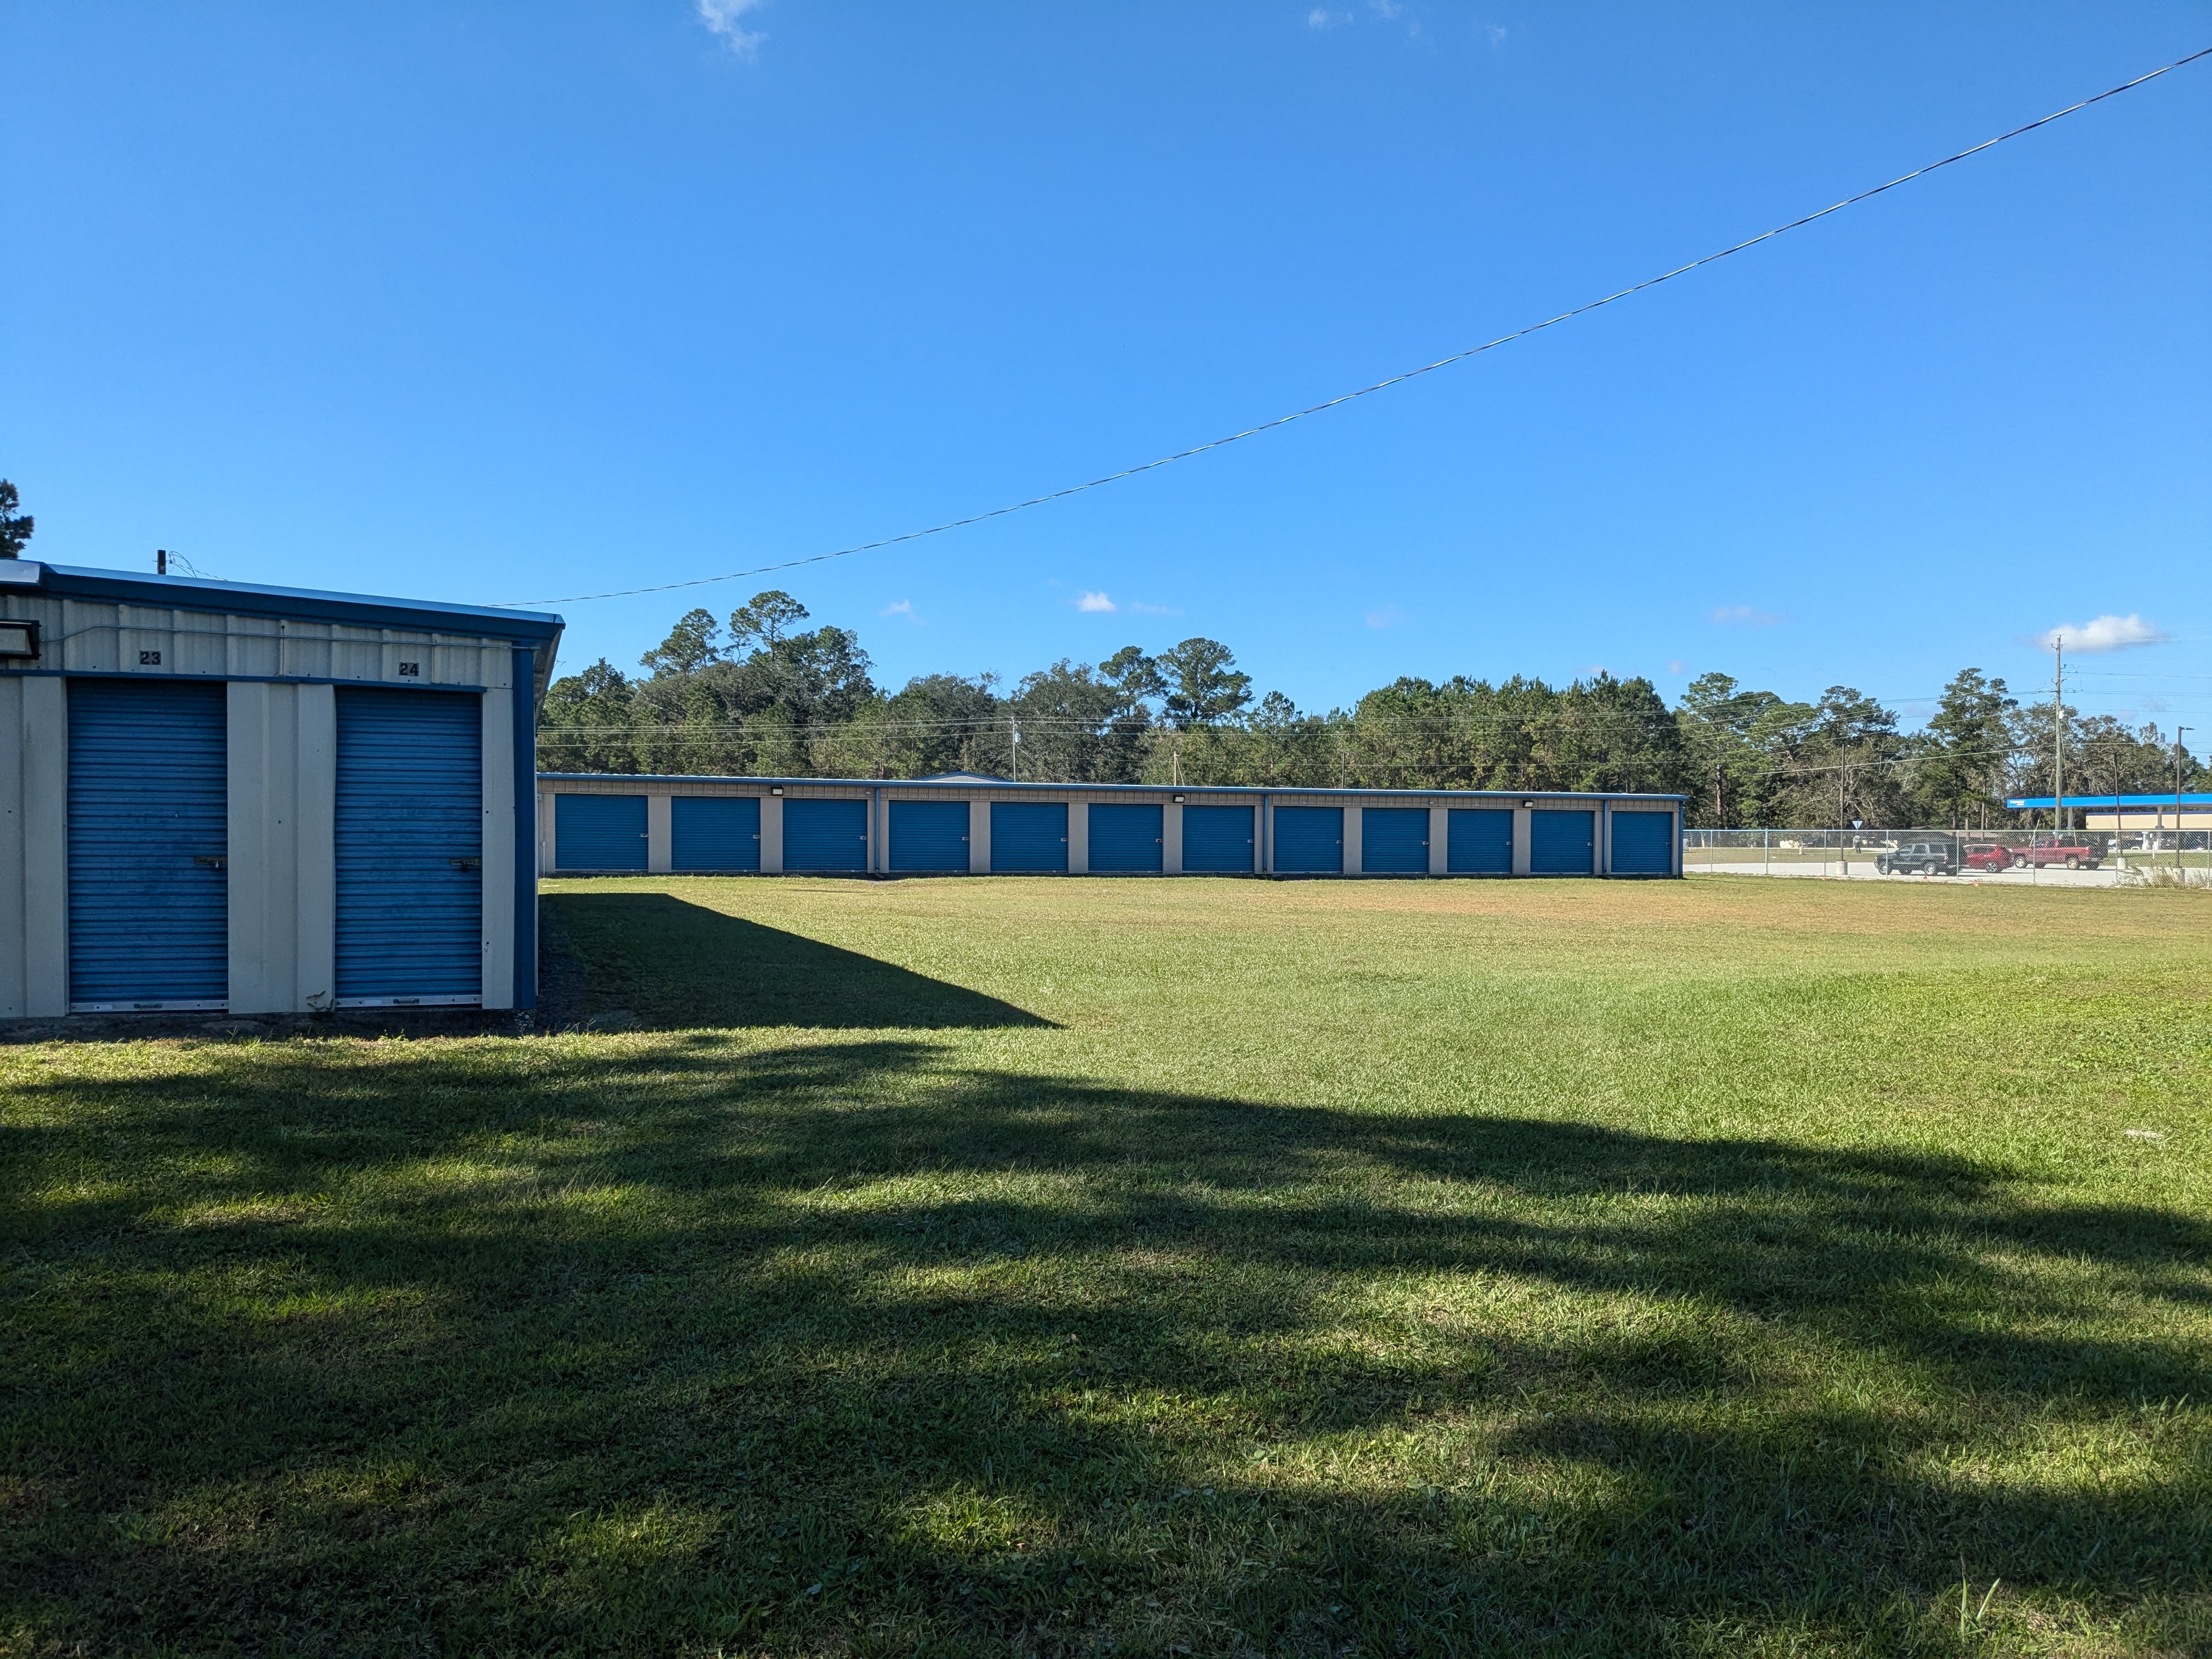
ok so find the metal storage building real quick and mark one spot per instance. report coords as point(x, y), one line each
point(225, 797)
point(599, 823)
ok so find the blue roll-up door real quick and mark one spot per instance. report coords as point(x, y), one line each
point(149, 837)
point(825, 835)
point(1125, 839)
point(598, 832)
point(1028, 837)
point(1561, 843)
point(1309, 839)
point(713, 832)
point(929, 835)
point(1642, 843)
point(1479, 841)
point(1216, 840)
point(1393, 840)
point(409, 847)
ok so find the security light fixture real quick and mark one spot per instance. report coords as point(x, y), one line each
point(1178, 800)
point(775, 789)
point(19, 642)
point(1528, 803)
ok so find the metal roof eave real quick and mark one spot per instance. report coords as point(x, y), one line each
point(255, 599)
point(1139, 788)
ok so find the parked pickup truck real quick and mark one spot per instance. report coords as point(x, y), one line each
point(1929, 857)
point(2047, 851)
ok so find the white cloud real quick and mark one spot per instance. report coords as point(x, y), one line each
point(1749, 615)
point(1496, 34)
point(1089, 601)
point(726, 18)
point(1675, 665)
point(1385, 9)
point(900, 608)
point(1317, 19)
point(2105, 633)
point(1388, 616)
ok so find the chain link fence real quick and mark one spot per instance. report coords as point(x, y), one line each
point(2074, 858)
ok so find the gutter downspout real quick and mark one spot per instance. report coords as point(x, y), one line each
point(879, 853)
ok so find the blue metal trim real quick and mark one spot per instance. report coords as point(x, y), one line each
point(253, 599)
point(525, 829)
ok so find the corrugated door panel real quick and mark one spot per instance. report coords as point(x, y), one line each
point(929, 835)
point(1216, 840)
point(1642, 843)
point(149, 839)
point(1393, 840)
point(713, 832)
point(1028, 837)
point(1561, 843)
point(1125, 839)
point(598, 832)
point(1480, 842)
point(1309, 839)
point(825, 835)
point(409, 847)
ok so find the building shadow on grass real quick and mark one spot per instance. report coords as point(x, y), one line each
point(686, 1344)
point(679, 966)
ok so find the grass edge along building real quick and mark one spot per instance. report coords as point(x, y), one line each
point(596, 824)
point(217, 795)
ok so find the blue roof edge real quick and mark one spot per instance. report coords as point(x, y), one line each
point(1157, 788)
point(253, 599)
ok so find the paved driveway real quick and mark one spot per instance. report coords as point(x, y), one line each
point(1860, 867)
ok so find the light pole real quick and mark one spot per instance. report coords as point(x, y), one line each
point(2058, 736)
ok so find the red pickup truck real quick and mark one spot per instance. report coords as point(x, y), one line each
point(2041, 853)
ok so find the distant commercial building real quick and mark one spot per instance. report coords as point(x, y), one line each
point(2128, 812)
point(964, 823)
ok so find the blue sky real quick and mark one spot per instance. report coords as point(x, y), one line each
point(501, 302)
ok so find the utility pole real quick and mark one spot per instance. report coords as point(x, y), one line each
point(2178, 731)
point(1016, 745)
point(2058, 734)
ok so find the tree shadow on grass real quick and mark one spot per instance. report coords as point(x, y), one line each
point(521, 1348)
point(679, 966)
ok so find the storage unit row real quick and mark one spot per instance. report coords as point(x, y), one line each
point(608, 825)
point(184, 838)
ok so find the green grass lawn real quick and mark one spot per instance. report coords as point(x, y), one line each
point(1059, 1267)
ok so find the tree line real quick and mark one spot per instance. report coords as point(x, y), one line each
point(764, 695)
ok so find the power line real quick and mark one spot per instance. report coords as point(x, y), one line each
point(1384, 384)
